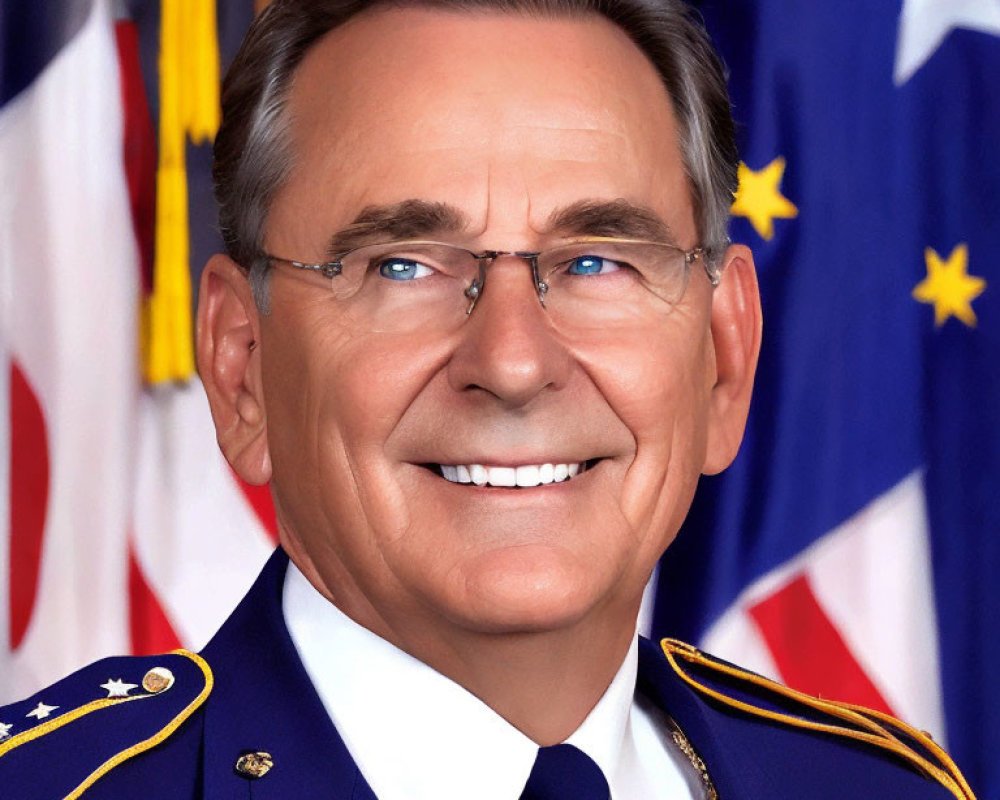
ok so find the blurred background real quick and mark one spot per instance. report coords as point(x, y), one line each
point(853, 549)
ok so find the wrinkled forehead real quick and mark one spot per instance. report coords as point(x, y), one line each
point(462, 103)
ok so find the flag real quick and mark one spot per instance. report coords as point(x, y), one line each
point(852, 548)
point(122, 529)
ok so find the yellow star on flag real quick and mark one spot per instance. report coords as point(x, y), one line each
point(949, 286)
point(759, 197)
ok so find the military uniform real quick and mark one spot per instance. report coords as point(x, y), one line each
point(242, 720)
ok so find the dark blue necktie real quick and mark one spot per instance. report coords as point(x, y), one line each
point(563, 772)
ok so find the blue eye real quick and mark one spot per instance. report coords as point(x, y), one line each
point(591, 265)
point(402, 269)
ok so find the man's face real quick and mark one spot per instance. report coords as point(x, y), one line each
point(508, 120)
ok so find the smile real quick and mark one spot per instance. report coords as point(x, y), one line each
point(524, 476)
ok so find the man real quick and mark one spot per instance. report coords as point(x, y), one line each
point(480, 329)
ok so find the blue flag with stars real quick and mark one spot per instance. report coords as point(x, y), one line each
point(854, 546)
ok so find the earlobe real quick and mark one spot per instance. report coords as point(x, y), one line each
point(736, 335)
point(228, 353)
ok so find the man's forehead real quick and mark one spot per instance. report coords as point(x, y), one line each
point(473, 101)
point(425, 46)
point(423, 59)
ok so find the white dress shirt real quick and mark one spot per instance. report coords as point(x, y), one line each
point(417, 735)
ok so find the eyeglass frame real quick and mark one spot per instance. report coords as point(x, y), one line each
point(334, 267)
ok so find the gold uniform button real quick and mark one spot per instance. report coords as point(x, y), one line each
point(254, 765)
point(157, 680)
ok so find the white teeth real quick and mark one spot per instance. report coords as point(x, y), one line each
point(501, 476)
point(524, 476)
point(528, 476)
point(479, 475)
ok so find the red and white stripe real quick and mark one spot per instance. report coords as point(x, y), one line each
point(198, 542)
point(70, 284)
point(852, 617)
point(121, 526)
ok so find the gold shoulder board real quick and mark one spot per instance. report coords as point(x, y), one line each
point(86, 728)
point(825, 716)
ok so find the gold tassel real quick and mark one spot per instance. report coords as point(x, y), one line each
point(189, 109)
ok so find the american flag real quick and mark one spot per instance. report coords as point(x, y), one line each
point(124, 529)
point(851, 549)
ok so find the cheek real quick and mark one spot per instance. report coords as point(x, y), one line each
point(660, 391)
point(654, 387)
point(325, 375)
point(335, 397)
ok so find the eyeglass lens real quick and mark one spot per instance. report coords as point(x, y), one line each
point(416, 285)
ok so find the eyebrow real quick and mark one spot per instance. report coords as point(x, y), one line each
point(618, 218)
point(409, 219)
point(419, 219)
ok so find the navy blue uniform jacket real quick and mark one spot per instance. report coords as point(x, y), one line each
point(248, 692)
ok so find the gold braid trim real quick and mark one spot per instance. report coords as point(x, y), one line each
point(924, 739)
point(107, 702)
point(873, 733)
point(154, 740)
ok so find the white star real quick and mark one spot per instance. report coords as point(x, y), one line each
point(5, 730)
point(117, 687)
point(924, 24)
point(41, 711)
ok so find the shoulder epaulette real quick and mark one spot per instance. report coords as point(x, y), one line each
point(760, 697)
point(59, 742)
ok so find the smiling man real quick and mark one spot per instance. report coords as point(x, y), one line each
point(480, 328)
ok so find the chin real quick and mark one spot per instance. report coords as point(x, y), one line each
point(530, 589)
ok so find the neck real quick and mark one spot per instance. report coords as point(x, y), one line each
point(544, 682)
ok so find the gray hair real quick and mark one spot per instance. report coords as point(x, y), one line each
point(252, 158)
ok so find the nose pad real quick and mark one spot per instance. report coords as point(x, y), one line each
point(508, 348)
point(475, 289)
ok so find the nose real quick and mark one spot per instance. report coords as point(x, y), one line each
point(508, 348)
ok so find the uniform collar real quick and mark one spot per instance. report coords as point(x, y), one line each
point(448, 744)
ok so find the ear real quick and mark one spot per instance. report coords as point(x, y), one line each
point(736, 331)
point(228, 353)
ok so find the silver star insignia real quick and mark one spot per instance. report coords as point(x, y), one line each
point(5, 730)
point(118, 688)
point(41, 711)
